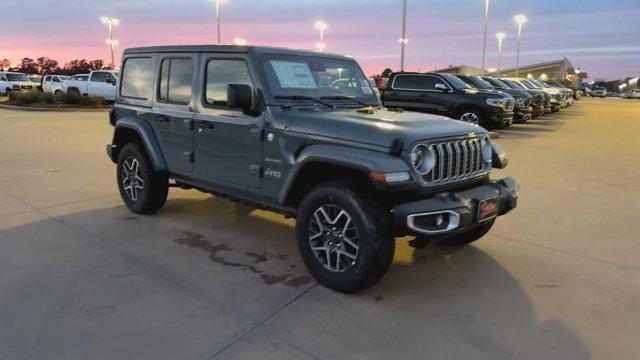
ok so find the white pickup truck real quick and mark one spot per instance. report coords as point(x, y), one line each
point(14, 81)
point(52, 84)
point(101, 83)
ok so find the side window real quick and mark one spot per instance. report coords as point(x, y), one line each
point(408, 82)
point(109, 76)
point(55, 79)
point(220, 73)
point(47, 78)
point(176, 80)
point(429, 82)
point(99, 76)
point(137, 78)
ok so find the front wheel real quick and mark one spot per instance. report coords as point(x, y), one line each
point(471, 116)
point(344, 238)
point(469, 236)
point(142, 189)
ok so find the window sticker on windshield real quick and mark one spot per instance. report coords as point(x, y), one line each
point(294, 74)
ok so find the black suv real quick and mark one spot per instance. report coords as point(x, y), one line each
point(537, 100)
point(445, 94)
point(302, 134)
point(523, 100)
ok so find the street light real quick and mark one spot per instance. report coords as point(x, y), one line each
point(322, 27)
point(218, 3)
point(403, 40)
point(500, 36)
point(520, 20)
point(486, 23)
point(111, 22)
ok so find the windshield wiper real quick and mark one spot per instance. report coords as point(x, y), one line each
point(342, 97)
point(303, 97)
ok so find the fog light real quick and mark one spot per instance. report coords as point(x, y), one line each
point(439, 220)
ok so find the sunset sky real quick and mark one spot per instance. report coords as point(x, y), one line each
point(600, 37)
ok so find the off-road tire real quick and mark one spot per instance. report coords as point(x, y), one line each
point(372, 224)
point(469, 236)
point(153, 195)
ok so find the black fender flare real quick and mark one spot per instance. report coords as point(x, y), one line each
point(363, 160)
point(148, 137)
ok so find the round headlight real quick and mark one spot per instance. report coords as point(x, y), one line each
point(422, 159)
point(487, 151)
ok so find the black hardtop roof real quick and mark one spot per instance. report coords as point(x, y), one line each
point(240, 49)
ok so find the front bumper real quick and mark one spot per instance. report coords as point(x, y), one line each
point(459, 208)
point(501, 117)
point(523, 114)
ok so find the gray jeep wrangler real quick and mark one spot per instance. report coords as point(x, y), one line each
point(302, 134)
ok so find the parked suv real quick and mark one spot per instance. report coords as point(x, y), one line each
point(268, 127)
point(522, 100)
point(537, 100)
point(15, 81)
point(546, 97)
point(445, 94)
point(599, 91)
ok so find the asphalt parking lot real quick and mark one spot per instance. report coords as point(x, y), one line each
point(83, 278)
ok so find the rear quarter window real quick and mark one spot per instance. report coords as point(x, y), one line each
point(137, 78)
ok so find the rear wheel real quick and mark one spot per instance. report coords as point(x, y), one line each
point(344, 238)
point(142, 189)
point(75, 92)
point(469, 236)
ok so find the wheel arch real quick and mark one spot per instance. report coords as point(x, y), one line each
point(139, 131)
point(318, 164)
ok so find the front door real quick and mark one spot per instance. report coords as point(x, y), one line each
point(173, 109)
point(227, 142)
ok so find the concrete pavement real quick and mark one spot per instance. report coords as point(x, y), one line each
point(81, 277)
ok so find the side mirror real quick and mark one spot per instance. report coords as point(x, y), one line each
point(239, 96)
point(442, 87)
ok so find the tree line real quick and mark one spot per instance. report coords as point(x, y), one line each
point(44, 65)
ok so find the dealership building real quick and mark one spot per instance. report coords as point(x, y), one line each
point(555, 71)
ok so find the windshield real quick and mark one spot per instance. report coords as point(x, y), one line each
point(526, 84)
point(513, 84)
point(455, 82)
point(496, 83)
point(315, 76)
point(539, 83)
point(480, 83)
point(17, 77)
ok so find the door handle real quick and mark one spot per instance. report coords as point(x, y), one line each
point(204, 125)
point(162, 118)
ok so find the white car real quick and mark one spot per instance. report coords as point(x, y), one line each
point(14, 81)
point(52, 84)
point(599, 91)
point(100, 83)
point(631, 94)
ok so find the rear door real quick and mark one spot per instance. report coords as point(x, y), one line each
point(173, 109)
point(404, 92)
point(227, 142)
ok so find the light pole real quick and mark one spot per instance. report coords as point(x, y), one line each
point(520, 20)
point(403, 40)
point(111, 22)
point(486, 23)
point(321, 26)
point(500, 36)
point(218, 2)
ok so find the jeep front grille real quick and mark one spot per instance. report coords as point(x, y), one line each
point(456, 160)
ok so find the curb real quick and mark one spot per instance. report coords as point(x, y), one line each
point(22, 108)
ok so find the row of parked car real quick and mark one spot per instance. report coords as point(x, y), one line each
point(493, 103)
point(101, 83)
point(602, 92)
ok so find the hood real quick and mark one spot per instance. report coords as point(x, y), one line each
point(518, 93)
point(21, 83)
point(487, 93)
point(377, 126)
